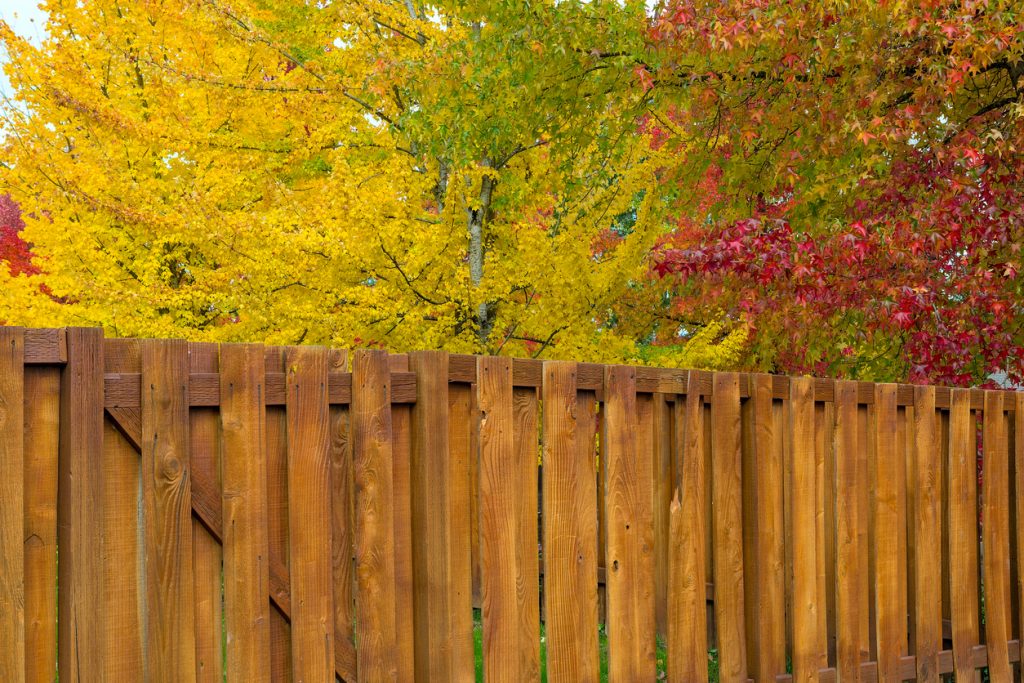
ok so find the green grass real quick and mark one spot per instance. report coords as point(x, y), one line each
point(660, 653)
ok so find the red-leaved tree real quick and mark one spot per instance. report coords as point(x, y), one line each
point(850, 184)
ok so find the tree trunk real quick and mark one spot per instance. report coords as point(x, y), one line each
point(485, 310)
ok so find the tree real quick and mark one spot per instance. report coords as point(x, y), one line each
point(848, 182)
point(389, 173)
point(15, 253)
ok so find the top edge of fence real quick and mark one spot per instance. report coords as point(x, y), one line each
point(48, 346)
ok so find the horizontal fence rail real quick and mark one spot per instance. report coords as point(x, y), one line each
point(248, 513)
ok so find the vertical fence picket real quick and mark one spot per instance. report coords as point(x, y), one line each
point(500, 492)
point(42, 429)
point(123, 545)
point(526, 443)
point(570, 529)
point(629, 561)
point(80, 568)
point(374, 513)
point(402, 500)
point(309, 515)
point(809, 647)
point(277, 519)
point(443, 582)
point(687, 641)
point(889, 524)
point(12, 504)
point(246, 546)
point(727, 527)
point(996, 537)
point(848, 552)
point(963, 534)
point(770, 547)
point(167, 496)
point(663, 485)
point(462, 421)
point(205, 471)
point(927, 534)
point(343, 531)
point(1018, 457)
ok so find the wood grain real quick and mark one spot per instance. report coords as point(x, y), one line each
point(207, 556)
point(507, 646)
point(570, 527)
point(374, 517)
point(124, 578)
point(768, 575)
point(42, 425)
point(461, 463)
point(687, 641)
point(80, 506)
point(809, 647)
point(890, 623)
point(963, 534)
point(996, 537)
point(849, 551)
point(627, 446)
point(727, 527)
point(927, 536)
point(12, 504)
point(170, 646)
point(664, 485)
point(244, 498)
point(401, 416)
point(526, 440)
point(309, 515)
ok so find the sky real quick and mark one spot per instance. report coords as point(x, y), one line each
point(27, 20)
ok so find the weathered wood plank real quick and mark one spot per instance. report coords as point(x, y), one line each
point(996, 536)
point(80, 508)
point(890, 623)
point(687, 641)
point(727, 526)
point(207, 557)
point(963, 535)
point(42, 432)
point(401, 416)
point(848, 550)
point(45, 346)
point(244, 499)
point(460, 483)
point(508, 647)
point(809, 647)
point(431, 519)
point(170, 644)
point(277, 525)
point(123, 547)
point(309, 515)
point(570, 527)
point(12, 504)
point(526, 441)
point(769, 576)
point(927, 537)
point(374, 517)
point(627, 443)
point(664, 485)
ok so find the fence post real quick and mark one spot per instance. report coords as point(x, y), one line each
point(439, 576)
point(80, 628)
point(12, 495)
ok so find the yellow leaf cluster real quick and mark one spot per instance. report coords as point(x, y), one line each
point(372, 173)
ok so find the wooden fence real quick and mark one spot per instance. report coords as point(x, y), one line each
point(268, 513)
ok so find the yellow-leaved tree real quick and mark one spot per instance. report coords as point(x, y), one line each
point(464, 174)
